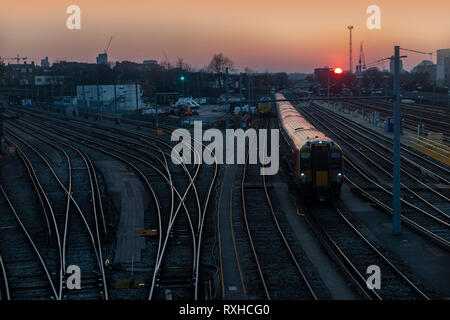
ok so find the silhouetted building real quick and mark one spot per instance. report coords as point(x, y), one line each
point(102, 58)
point(426, 67)
point(48, 80)
point(321, 75)
point(19, 74)
point(45, 63)
point(442, 68)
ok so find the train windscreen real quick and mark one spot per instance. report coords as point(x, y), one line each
point(320, 156)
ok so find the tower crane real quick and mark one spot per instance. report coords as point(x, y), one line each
point(167, 59)
point(362, 60)
point(109, 44)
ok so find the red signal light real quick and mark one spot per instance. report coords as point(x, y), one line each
point(338, 71)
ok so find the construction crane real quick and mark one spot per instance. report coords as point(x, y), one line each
point(421, 52)
point(362, 60)
point(167, 60)
point(109, 44)
point(17, 58)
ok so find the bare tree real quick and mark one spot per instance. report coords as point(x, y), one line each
point(218, 64)
point(248, 70)
point(182, 65)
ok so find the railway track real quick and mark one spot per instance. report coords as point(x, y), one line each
point(135, 152)
point(140, 166)
point(280, 273)
point(424, 209)
point(413, 159)
point(5, 294)
point(73, 207)
point(25, 273)
point(355, 254)
point(435, 119)
point(374, 153)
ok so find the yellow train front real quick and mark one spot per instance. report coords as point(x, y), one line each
point(316, 159)
point(264, 108)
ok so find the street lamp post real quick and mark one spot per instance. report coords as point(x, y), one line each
point(182, 85)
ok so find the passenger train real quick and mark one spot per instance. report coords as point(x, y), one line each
point(316, 159)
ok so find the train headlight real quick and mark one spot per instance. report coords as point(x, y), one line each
point(303, 177)
point(339, 177)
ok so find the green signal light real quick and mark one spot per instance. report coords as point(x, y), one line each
point(182, 78)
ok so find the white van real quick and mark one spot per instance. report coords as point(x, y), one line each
point(187, 102)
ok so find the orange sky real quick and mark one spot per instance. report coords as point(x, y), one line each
point(282, 35)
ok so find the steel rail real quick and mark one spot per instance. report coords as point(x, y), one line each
point(280, 231)
point(390, 175)
point(5, 279)
point(30, 240)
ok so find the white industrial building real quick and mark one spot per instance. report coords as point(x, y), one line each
point(110, 98)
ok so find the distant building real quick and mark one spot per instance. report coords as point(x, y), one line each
point(426, 66)
point(46, 80)
point(297, 76)
point(107, 98)
point(102, 58)
point(150, 62)
point(19, 74)
point(442, 67)
point(392, 65)
point(321, 75)
point(65, 101)
point(45, 63)
point(447, 74)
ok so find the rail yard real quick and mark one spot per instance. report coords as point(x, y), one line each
point(106, 196)
point(230, 160)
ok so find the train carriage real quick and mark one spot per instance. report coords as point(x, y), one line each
point(316, 159)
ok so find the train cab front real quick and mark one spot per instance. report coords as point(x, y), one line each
point(321, 172)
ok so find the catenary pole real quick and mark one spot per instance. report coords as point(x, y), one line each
point(396, 217)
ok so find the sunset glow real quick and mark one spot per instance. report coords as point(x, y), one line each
point(283, 35)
